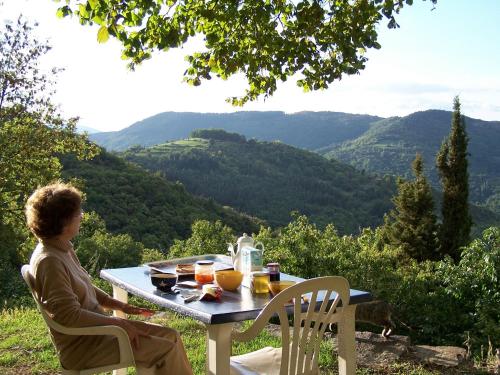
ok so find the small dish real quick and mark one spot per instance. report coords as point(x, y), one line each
point(278, 286)
point(164, 281)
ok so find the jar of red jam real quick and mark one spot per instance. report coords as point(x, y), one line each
point(274, 271)
point(204, 272)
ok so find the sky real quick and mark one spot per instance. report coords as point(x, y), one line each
point(436, 54)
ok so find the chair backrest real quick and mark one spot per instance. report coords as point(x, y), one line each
point(300, 354)
point(30, 281)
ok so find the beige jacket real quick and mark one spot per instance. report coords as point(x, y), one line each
point(66, 292)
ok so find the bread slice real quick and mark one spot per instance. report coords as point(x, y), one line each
point(184, 269)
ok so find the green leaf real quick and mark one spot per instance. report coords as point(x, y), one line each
point(103, 34)
point(98, 20)
point(83, 11)
point(63, 11)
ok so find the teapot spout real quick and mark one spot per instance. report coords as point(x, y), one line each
point(237, 263)
point(230, 250)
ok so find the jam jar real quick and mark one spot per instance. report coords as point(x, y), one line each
point(274, 271)
point(204, 272)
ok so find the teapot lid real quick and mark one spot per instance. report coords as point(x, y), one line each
point(245, 239)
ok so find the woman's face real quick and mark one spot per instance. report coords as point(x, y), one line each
point(72, 228)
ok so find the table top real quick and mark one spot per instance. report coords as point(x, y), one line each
point(234, 306)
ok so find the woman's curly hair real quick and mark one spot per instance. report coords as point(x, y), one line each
point(51, 207)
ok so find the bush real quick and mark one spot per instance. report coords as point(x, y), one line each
point(104, 250)
point(440, 301)
point(206, 238)
point(474, 282)
point(98, 249)
point(151, 255)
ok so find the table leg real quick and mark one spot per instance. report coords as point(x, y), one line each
point(346, 339)
point(218, 348)
point(120, 295)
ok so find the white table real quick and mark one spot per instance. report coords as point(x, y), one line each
point(220, 317)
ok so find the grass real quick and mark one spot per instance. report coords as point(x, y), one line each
point(25, 347)
point(180, 145)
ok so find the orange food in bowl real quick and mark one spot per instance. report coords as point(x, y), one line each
point(229, 279)
point(277, 286)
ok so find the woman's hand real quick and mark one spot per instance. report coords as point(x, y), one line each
point(113, 304)
point(134, 310)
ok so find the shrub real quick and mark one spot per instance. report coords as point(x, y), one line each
point(206, 238)
point(474, 282)
point(439, 300)
point(104, 250)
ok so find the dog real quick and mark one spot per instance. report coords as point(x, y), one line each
point(378, 313)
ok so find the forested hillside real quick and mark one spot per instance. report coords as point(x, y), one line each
point(373, 144)
point(269, 180)
point(390, 145)
point(309, 130)
point(151, 209)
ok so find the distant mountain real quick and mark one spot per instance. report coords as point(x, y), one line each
point(370, 143)
point(390, 145)
point(309, 130)
point(146, 206)
point(89, 130)
point(271, 179)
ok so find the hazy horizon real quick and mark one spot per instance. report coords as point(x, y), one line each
point(95, 130)
point(422, 65)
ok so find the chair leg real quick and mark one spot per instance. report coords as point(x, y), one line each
point(346, 339)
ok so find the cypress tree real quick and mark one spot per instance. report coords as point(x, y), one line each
point(412, 224)
point(452, 165)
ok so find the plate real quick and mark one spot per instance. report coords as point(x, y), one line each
point(168, 266)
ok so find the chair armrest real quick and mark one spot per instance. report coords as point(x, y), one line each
point(95, 331)
point(256, 328)
point(126, 353)
point(248, 334)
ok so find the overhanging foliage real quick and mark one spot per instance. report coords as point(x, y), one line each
point(266, 40)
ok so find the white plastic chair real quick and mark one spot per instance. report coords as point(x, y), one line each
point(300, 353)
point(126, 354)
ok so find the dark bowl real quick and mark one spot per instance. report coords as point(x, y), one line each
point(164, 281)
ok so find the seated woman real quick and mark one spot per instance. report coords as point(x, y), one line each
point(54, 214)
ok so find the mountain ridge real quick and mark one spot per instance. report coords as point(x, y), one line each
point(146, 206)
point(323, 128)
point(374, 144)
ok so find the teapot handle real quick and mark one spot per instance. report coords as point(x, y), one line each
point(261, 245)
